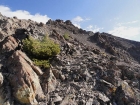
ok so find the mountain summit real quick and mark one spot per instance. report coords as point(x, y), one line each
point(59, 64)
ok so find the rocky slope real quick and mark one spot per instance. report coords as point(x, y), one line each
point(92, 68)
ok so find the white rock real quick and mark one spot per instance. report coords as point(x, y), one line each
point(1, 79)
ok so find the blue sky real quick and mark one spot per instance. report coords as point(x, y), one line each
point(118, 17)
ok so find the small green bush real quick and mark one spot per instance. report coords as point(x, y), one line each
point(42, 63)
point(41, 51)
point(66, 36)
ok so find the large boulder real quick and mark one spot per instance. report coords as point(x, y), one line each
point(68, 22)
point(124, 94)
point(23, 79)
point(9, 44)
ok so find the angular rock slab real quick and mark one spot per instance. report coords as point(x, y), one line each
point(23, 79)
point(124, 94)
point(49, 81)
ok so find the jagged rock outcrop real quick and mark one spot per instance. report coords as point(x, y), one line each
point(23, 79)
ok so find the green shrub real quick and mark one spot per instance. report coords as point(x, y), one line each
point(42, 63)
point(66, 36)
point(41, 51)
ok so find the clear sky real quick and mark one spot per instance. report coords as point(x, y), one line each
point(117, 17)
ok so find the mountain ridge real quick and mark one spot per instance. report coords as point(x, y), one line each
point(91, 69)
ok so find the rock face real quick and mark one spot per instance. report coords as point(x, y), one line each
point(9, 44)
point(23, 79)
point(91, 69)
point(124, 94)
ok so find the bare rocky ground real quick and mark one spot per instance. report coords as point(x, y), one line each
point(92, 68)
